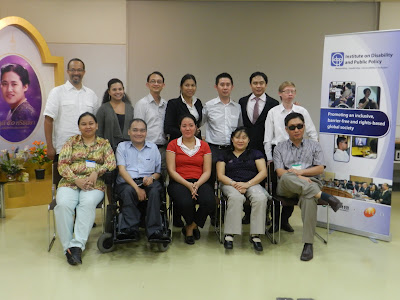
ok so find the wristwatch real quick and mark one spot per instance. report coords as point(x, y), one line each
point(152, 176)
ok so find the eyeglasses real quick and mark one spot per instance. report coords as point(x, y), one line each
point(76, 70)
point(156, 81)
point(289, 92)
point(298, 126)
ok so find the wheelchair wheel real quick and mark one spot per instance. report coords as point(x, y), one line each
point(105, 243)
point(162, 247)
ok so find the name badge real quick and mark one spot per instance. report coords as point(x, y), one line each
point(90, 164)
point(297, 167)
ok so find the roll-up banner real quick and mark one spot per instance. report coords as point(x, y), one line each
point(359, 95)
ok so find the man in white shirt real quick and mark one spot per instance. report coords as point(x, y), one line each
point(151, 109)
point(341, 151)
point(64, 106)
point(275, 133)
point(222, 116)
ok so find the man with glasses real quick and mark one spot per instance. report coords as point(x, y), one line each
point(341, 151)
point(64, 106)
point(299, 163)
point(151, 109)
point(139, 166)
point(275, 132)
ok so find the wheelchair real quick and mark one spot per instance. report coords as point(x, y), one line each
point(107, 241)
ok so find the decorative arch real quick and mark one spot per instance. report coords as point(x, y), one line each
point(40, 42)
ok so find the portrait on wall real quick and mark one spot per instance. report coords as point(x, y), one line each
point(20, 99)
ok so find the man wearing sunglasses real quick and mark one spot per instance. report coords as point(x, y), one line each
point(299, 163)
point(341, 151)
point(275, 132)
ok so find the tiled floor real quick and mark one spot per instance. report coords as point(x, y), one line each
point(350, 267)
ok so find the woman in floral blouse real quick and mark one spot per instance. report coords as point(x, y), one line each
point(83, 159)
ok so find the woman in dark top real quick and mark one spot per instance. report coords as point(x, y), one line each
point(114, 114)
point(185, 104)
point(240, 171)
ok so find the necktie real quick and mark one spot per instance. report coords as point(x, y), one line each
point(256, 114)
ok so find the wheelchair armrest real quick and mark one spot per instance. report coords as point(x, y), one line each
point(108, 177)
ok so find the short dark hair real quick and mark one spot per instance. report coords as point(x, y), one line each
point(106, 96)
point(223, 75)
point(187, 77)
point(367, 89)
point(293, 115)
point(87, 114)
point(157, 73)
point(190, 116)
point(240, 129)
point(19, 70)
point(76, 59)
point(138, 120)
point(258, 73)
point(339, 140)
point(373, 144)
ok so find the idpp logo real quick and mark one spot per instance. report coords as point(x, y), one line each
point(369, 212)
point(337, 59)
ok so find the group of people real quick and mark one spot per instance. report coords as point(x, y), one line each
point(160, 137)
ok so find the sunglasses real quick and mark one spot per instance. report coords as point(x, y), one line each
point(298, 126)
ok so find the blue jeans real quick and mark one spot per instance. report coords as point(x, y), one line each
point(85, 203)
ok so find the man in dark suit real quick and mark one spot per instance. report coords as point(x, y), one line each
point(255, 108)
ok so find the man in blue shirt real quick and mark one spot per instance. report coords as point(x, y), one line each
point(139, 166)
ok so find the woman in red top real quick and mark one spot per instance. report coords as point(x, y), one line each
point(189, 167)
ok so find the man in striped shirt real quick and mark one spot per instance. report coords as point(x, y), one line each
point(299, 163)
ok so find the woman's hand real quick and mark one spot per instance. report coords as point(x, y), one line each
point(93, 178)
point(192, 187)
point(241, 186)
point(83, 184)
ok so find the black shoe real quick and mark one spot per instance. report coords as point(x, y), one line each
point(212, 220)
point(135, 235)
point(70, 259)
point(287, 227)
point(246, 219)
point(196, 234)
point(273, 228)
point(333, 202)
point(228, 245)
point(307, 253)
point(76, 254)
point(256, 244)
point(188, 239)
point(158, 235)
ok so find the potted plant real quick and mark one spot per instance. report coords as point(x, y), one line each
point(12, 162)
point(39, 156)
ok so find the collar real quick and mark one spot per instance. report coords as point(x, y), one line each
point(193, 101)
point(146, 145)
point(80, 140)
point(283, 109)
point(69, 86)
point(263, 97)
point(181, 144)
point(293, 145)
point(219, 100)
point(150, 99)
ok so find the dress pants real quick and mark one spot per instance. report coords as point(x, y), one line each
point(85, 203)
point(258, 201)
point(186, 206)
point(130, 213)
point(291, 185)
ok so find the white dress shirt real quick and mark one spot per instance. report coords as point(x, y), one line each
point(275, 131)
point(221, 119)
point(252, 102)
point(192, 109)
point(64, 105)
point(153, 114)
point(341, 155)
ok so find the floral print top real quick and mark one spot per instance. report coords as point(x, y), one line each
point(72, 161)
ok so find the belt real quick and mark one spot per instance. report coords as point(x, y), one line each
point(221, 147)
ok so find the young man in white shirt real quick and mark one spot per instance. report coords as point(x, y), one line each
point(64, 106)
point(341, 151)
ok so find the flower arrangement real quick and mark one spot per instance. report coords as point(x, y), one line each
point(39, 153)
point(12, 163)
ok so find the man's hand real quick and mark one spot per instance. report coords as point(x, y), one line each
point(296, 171)
point(148, 180)
point(51, 152)
point(305, 178)
point(141, 194)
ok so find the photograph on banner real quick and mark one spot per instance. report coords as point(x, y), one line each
point(369, 97)
point(342, 94)
point(342, 148)
point(20, 99)
point(364, 147)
